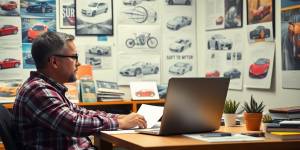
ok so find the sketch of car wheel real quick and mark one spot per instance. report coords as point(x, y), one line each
point(138, 72)
point(130, 43)
point(143, 14)
point(152, 42)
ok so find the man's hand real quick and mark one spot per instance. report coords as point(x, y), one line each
point(131, 120)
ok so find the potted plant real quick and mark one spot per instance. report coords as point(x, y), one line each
point(253, 114)
point(266, 121)
point(230, 108)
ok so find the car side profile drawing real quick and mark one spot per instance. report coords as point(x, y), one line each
point(142, 39)
point(178, 22)
point(232, 74)
point(36, 30)
point(132, 2)
point(8, 30)
point(8, 6)
point(261, 12)
point(94, 61)
point(9, 63)
point(180, 68)
point(293, 34)
point(259, 69)
point(145, 93)
point(219, 42)
point(99, 50)
point(180, 45)
point(139, 68)
point(94, 8)
point(260, 32)
point(212, 74)
point(40, 7)
point(179, 2)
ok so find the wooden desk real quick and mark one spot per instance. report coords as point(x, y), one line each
point(178, 142)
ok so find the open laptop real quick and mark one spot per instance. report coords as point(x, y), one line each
point(193, 105)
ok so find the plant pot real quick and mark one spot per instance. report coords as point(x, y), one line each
point(252, 121)
point(229, 120)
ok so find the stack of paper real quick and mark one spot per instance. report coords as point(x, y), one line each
point(108, 91)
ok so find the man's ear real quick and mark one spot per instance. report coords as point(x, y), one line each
point(53, 62)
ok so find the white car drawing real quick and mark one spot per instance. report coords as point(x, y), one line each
point(132, 2)
point(179, 2)
point(139, 68)
point(179, 22)
point(94, 8)
point(180, 68)
point(219, 42)
point(94, 61)
point(180, 45)
point(99, 50)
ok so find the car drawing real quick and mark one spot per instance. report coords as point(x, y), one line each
point(180, 45)
point(94, 61)
point(39, 7)
point(99, 50)
point(179, 22)
point(10, 5)
point(219, 20)
point(36, 30)
point(219, 42)
point(261, 12)
point(179, 2)
point(9, 88)
point(212, 74)
point(145, 93)
point(132, 2)
point(259, 69)
point(8, 30)
point(232, 73)
point(139, 68)
point(260, 32)
point(95, 8)
point(9, 63)
point(231, 19)
point(293, 34)
point(180, 68)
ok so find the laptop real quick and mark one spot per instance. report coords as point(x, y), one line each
point(192, 105)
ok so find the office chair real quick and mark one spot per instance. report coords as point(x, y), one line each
point(7, 128)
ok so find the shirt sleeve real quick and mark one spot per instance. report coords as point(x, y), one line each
point(85, 111)
point(48, 109)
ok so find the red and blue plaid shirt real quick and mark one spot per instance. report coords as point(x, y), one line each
point(46, 119)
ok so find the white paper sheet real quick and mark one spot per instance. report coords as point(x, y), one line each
point(233, 138)
point(120, 131)
point(151, 113)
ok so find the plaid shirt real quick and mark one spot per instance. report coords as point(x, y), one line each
point(46, 119)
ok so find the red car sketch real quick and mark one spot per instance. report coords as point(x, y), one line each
point(9, 63)
point(211, 74)
point(145, 93)
point(36, 30)
point(260, 68)
point(8, 30)
point(11, 5)
point(261, 12)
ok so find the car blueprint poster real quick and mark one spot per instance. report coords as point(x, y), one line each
point(67, 14)
point(9, 7)
point(290, 48)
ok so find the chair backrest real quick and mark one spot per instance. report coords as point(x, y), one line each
point(7, 129)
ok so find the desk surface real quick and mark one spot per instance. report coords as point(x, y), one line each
point(178, 142)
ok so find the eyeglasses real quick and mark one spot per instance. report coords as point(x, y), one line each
point(74, 57)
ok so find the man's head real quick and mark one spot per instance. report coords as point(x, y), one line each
point(55, 54)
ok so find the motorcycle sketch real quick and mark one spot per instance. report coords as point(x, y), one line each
point(140, 14)
point(141, 40)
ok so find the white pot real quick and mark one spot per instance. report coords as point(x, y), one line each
point(229, 120)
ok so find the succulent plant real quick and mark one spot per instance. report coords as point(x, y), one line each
point(253, 107)
point(267, 118)
point(231, 106)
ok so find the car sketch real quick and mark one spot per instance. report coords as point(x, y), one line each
point(293, 34)
point(219, 42)
point(180, 68)
point(260, 32)
point(10, 5)
point(140, 14)
point(40, 7)
point(179, 22)
point(132, 2)
point(261, 12)
point(212, 74)
point(8, 30)
point(180, 45)
point(231, 17)
point(219, 20)
point(179, 2)
point(259, 69)
point(139, 68)
point(95, 8)
point(145, 93)
point(9, 63)
point(232, 73)
point(99, 50)
point(36, 30)
point(142, 39)
point(94, 61)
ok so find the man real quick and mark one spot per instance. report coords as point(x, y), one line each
point(45, 118)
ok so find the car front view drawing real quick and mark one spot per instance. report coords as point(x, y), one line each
point(259, 69)
point(36, 30)
point(219, 42)
point(260, 32)
point(180, 68)
point(180, 45)
point(139, 68)
point(94, 8)
point(179, 22)
point(179, 2)
point(141, 40)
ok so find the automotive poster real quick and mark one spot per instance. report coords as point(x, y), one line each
point(262, 32)
point(179, 41)
point(138, 67)
point(37, 8)
point(259, 11)
point(28, 62)
point(225, 56)
point(10, 33)
point(139, 12)
point(9, 7)
point(98, 55)
point(144, 90)
point(290, 48)
point(10, 64)
point(66, 14)
point(259, 65)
